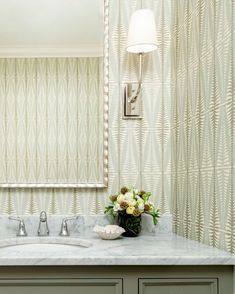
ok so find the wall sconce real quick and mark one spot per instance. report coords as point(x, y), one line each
point(141, 39)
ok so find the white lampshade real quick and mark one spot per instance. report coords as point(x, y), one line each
point(142, 32)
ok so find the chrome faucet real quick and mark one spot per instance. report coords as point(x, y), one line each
point(21, 230)
point(64, 226)
point(43, 229)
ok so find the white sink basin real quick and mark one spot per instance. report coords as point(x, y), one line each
point(37, 244)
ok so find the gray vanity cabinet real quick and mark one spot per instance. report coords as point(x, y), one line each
point(116, 280)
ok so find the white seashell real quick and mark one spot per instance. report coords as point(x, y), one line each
point(109, 232)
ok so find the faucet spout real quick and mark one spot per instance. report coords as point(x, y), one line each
point(43, 229)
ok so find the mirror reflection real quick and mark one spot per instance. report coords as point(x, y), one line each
point(51, 93)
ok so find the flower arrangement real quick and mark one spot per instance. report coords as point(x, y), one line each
point(128, 205)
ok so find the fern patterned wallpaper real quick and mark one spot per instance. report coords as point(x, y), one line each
point(139, 151)
point(203, 105)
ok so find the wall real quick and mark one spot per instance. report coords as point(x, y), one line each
point(139, 151)
point(203, 121)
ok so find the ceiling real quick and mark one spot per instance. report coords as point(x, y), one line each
point(51, 27)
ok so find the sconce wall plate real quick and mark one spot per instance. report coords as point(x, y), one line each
point(132, 109)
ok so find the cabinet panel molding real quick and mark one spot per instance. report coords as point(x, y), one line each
point(61, 286)
point(178, 286)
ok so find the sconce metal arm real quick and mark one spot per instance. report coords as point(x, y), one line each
point(133, 98)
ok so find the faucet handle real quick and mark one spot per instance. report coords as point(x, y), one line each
point(21, 231)
point(64, 226)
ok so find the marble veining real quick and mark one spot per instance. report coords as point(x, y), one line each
point(44, 240)
point(82, 226)
point(156, 246)
point(143, 250)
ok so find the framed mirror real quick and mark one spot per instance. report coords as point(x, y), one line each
point(54, 93)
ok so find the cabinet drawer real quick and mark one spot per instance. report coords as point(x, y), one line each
point(178, 286)
point(61, 286)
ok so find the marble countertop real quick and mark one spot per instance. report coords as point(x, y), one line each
point(160, 247)
point(143, 250)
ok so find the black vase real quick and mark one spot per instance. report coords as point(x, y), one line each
point(131, 224)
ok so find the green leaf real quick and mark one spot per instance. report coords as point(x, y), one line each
point(156, 215)
point(146, 196)
point(109, 210)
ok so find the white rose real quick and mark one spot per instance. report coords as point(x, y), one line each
point(141, 206)
point(116, 207)
point(131, 202)
point(128, 196)
point(120, 198)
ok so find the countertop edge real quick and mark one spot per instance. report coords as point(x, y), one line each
point(130, 261)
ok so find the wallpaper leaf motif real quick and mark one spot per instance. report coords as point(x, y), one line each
point(203, 132)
